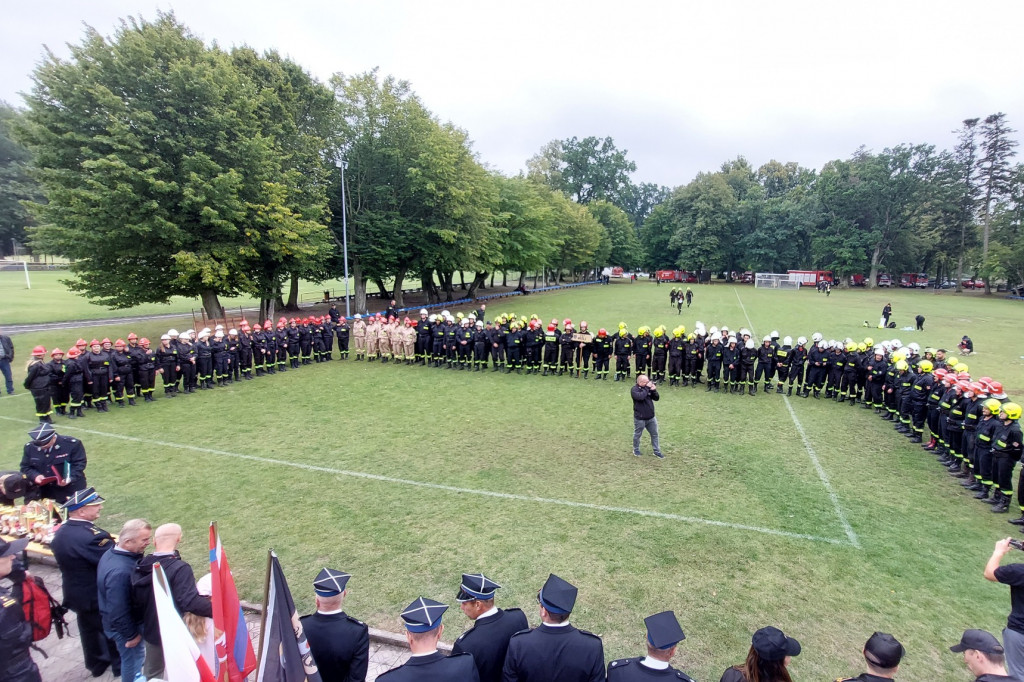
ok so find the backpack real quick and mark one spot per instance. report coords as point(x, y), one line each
point(42, 611)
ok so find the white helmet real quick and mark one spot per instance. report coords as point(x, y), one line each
point(165, 337)
point(716, 336)
point(914, 347)
point(423, 311)
point(207, 330)
point(802, 341)
point(788, 341)
point(750, 344)
point(219, 335)
point(767, 339)
point(219, 326)
point(479, 325)
point(732, 339)
point(358, 316)
point(823, 345)
point(744, 331)
point(775, 334)
point(896, 344)
point(432, 318)
point(724, 328)
point(232, 332)
point(698, 324)
point(816, 337)
point(172, 332)
point(445, 313)
point(204, 335)
point(714, 330)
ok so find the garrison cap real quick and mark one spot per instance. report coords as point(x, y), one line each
point(883, 650)
point(83, 498)
point(557, 596)
point(423, 615)
point(476, 586)
point(42, 433)
point(330, 583)
point(663, 630)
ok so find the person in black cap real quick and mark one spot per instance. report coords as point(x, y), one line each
point(883, 654)
point(78, 545)
point(555, 651)
point(492, 627)
point(427, 664)
point(984, 656)
point(55, 463)
point(340, 644)
point(663, 634)
point(15, 632)
point(1013, 634)
point(768, 659)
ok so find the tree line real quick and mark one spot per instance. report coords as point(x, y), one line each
point(163, 166)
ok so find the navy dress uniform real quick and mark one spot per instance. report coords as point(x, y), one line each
point(64, 455)
point(555, 653)
point(340, 644)
point(77, 546)
point(882, 650)
point(663, 633)
point(424, 615)
point(488, 639)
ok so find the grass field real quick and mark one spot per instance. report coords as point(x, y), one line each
point(810, 516)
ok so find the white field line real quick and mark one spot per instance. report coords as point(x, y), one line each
point(453, 489)
point(854, 540)
point(15, 395)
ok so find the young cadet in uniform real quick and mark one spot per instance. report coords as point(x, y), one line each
point(782, 361)
point(602, 346)
point(797, 363)
point(623, 347)
point(983, 451)
point(492, 627)
point(78, 546)
point(102, 375)
point(555, 651)
point(340, 644)
point(919, 392)
point(642, 346)
point(986, 658)
point(58, 394)
point(663, 635)
point(246, 346)
point(481, 345)
point(882, 653)
point(515, 346)
point(676, 356)
point(167, 357)
point(124, 377)
point(15, 631)
point(384, 340)
point(187, 362)
point(659, 353)
point(874, 380)
point(748, 354)
point(567, 361)
point(427, 664)
point(342, 332)
point(694, 357)
point(1006, 449)
point(713, 353)
point(972, 417)
point(768, 659)
point(148, 363)
point(765, 363)
point(37, 381)
point(295, 339)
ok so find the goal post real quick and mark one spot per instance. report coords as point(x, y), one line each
point(14, 266)
point(773, 280)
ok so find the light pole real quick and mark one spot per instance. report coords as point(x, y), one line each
point(344, 234)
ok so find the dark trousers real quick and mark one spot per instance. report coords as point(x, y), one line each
point(99, 651)
point(170, 376)
point(1002, 468)
point(42, 398)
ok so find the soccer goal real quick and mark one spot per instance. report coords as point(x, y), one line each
point(771, 280)
point(16, 266)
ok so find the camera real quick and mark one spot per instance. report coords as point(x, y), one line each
point(1017, 544)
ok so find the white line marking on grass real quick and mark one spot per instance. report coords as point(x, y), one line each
point(854, 540)
point(14, 395)
point(456, 489)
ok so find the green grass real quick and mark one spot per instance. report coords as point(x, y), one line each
point(738, 460)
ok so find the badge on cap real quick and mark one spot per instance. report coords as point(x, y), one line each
point(476, 586)
point(82, 498)
point(330, 583)
point(423, 615)
point(42, 433)
point(663, 630)
point(557, 596)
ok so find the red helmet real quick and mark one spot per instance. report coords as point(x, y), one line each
point(963, 385)
point(55, 352)
point(282, 320)
point(551, 327)
point(268, 325)
point(74, 353)
point(94, 342)
point(940, 373)
point(985, 380)
point(995, 389)
point(105, 341)
point(963, 375)
point(978, 387)
point(131, 336)
point(119, 344)
point(566, 322)
point(554, 320)
point(38, 350)
point(80, 342)
point(144, 341)
point(602, 332)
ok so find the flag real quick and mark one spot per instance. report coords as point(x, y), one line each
point(235, 656)
point(182, 660)
point(284, 652)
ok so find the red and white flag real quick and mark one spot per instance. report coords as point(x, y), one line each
point(182, 660)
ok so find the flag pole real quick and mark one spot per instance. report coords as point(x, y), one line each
point(263, 616)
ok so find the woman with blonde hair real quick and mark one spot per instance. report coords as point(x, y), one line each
point(201, 627)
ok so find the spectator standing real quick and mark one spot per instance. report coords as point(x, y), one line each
point(6, 358)
point(882, 654)
point(886, 314)
point(182, 582)
point(644, 393)
point(984, 656)
point(1013, 634)
point(78, 545)
point(114, 590)
point(768, 659)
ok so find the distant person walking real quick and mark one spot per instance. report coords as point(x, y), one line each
point(689, 296)
point(6, 357)
point(886, 314)
point(644, 393)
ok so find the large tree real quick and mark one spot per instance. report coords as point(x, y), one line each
point(159, 176)
point(16, 185)
point(584, 170)
point(994, 172)
point(625, 249)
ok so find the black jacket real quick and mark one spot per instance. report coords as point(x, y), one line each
point(643, 401)
point(340, 645)
point(488, 641)
point(78, 547)
point(36, 461)
point(632, 670)
point(38, 377)
point(434, 668)
point(182, 582)
point(8, 346)
point(15, 633)
point(554, 654)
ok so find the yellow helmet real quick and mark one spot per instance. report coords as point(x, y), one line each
point(678, 331)
point(952, 362)
point(962, 368)
point(682, 328)
point(902, 365)
point(659, 332)
point(622, 325)
point(862, 347)
point(691, 338)
point(992, 405)
point(850, 347)
point(622, 332)
point(925, 365)
point(869, 342)
point(1012, 411)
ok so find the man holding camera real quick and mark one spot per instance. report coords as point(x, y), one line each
point(644, 393)
point(1012, 575)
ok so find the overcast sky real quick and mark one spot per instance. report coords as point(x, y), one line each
point(682, 86)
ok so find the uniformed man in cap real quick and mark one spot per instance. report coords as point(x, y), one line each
point(55, 463)
point(663, 634)
point(882, 653)
point(78, 546)
point(555, 651)
point(427, 664)
point(340, 644)
point(15, 631)
point(984, 656)
point(492, 627)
